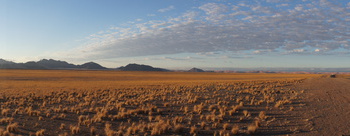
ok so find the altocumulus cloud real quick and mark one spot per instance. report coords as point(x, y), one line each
point(310, 27)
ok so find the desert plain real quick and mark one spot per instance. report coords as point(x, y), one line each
point(78, 102)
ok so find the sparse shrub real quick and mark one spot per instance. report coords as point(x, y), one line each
point(13, 128)
point(109, 131)
point(40, 132)
point(193, 130)
point(178, 128)
point(226, 126)
point(6, 120)
point(62, 126)
point(5, 112)
point(262, 115)
point(252, 129)
point(235, 130)
point(257, 123)
point(246, 113)
point(203, 125)
point(75, 129)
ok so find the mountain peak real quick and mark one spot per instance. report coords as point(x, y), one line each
point(55, 64)
point(91, 65)
point(139, 67)
point(2, 61)
point(196, 70)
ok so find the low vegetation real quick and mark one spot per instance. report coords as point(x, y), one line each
point(169, 108)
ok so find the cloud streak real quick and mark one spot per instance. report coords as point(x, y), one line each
point(304, 28)
point(166, 9)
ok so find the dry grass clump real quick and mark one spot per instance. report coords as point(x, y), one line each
point(62, 126)
point(40, 132)
point(6, 120)
point(13, 127)
point(246, 113)
point(235, 130)
point(5, 112)
point(193, 130)
point(262, 115)
point(226, 126)
point(74, 129)
point(109, 131)
point(93, 131)
point(178, 128)
point(252, 129)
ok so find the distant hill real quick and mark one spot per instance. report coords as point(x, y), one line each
point(91, 65)
point(55, 64)
point(195, 70)
point(32, 65)
point(138, 67)
point(4, 64)
point(48, 64)
point(2, 61)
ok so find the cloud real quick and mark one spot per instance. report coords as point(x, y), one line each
point(303, 28)
point(166, 9)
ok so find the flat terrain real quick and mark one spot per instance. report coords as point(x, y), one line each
point(25, 81)
point(68, 102)
point(327, 110)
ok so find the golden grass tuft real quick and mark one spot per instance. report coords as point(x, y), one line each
point(74, 129)
point(40, 132)
point(108, 130)
point(13, 127)
point(62, 126)
point(262, 115)
point(41, 118)
point(235, 130)
point(226, 126)
point(252, 129)
point(246, 113)
point(5, 112)
point(178, 128)
point(193, 130)
point(93, 131)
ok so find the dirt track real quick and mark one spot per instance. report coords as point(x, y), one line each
point(327, 109)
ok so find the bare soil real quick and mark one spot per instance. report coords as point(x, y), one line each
point(327, 107)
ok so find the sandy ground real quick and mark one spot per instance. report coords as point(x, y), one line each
point(327, 107)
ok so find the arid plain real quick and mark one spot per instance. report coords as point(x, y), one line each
point(77, 102)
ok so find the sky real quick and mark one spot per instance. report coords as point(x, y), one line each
point(178, 33)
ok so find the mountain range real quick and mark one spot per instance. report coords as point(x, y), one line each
point(48, 64)
point(57, 64)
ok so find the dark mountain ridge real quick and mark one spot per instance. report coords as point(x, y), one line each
point(55, 64)
point(91, 65)
point(48, 64)
point(139, 67)
point(195, 70)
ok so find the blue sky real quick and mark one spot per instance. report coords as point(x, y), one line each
point(178, 33)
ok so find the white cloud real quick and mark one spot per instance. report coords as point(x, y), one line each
point(166, 9)
point(213, 8)
point(306, 28)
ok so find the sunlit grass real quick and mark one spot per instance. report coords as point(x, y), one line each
point(142, 103)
